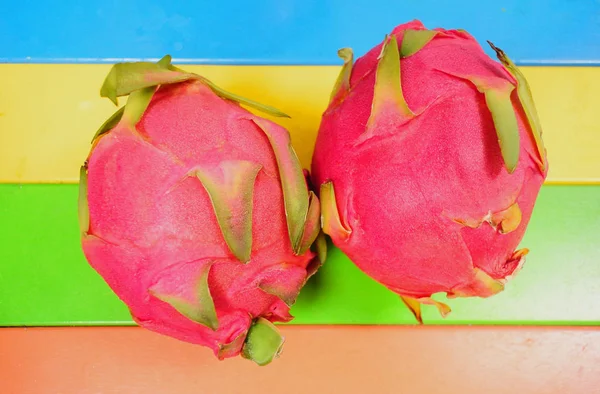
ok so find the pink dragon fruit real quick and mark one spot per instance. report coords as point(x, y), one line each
point(429, 159)
point(197, 213)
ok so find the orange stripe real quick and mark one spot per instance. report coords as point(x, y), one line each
point(322, 359)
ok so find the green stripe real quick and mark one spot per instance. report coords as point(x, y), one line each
point(45, 280)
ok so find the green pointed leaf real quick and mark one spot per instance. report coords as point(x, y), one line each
point(230, 187)
point(201, 309)
point(137, 103)
point(263, 342)
point(330, 216)
point(165, 61)
point(414, 40)
point(342, 84)
point(293, 183)
point(505, 123)
point(312, 224)
point(125, 78)
point(242, 100)
point(321, 247)
point(83, 208)
point(110, 123)
point(526, 99)
point(109, 87)
point(284, 281)
point(388, 85)
point(497, 92)
point(192, 312)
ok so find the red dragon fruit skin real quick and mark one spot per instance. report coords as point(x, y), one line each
point(196, 212)
point(429, 160)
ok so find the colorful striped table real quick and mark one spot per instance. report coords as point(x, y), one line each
point(64, 330)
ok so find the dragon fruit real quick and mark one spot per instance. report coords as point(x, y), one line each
point(197, 213)
point(429, 160)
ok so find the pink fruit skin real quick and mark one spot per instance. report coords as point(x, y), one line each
point(400, 191)
point(152, 226)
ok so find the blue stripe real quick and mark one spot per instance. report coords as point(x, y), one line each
point(305, 32)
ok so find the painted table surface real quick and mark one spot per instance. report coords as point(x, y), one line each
point(48, 282)
point(46, 136)
point(49, 110)
point(533, 32)
point(44, 279)
point(350, 334)
point(324, 360)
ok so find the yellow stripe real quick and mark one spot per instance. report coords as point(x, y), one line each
point(49, 112)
